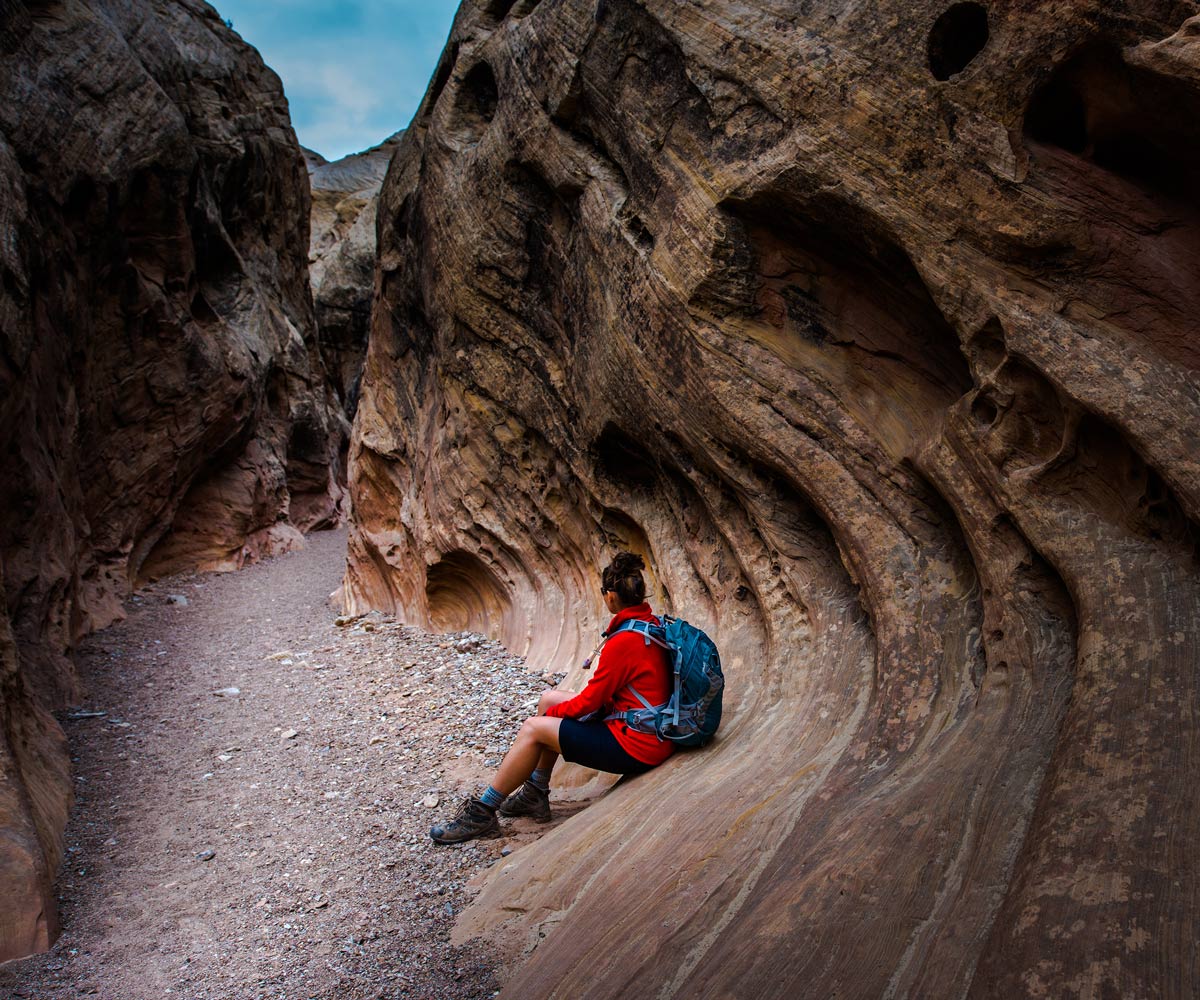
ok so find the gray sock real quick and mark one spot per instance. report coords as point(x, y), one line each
point(541, 778)
point(491, 798)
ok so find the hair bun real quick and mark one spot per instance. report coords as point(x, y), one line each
point(623, 576)
point(628, 563)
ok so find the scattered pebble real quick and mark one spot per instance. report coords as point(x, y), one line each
point(327, 839)
point(177, 599)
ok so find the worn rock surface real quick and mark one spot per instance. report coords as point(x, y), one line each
point(162, 397)
point(342, 257)
point(874, 327)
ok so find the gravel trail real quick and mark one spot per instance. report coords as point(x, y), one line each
point(270, 841)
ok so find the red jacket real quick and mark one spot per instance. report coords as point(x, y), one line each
point(625, 660)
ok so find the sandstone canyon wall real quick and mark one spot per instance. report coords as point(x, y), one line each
point(163, 403)
point(875, 327)
point(342, 258)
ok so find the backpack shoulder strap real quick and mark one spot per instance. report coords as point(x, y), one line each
point(647, 630)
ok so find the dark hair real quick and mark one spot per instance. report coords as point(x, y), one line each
point(623, 576)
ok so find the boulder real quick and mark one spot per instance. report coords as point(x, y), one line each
point(163, 402)
point(873, 327)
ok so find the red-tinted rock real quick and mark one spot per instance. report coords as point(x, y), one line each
point(873, 326)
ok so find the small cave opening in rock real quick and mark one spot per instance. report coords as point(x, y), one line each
point(957, 37)
point(1127, 120)
point(1119, 144)
point(476, 102)
point(622, 460)
point(465, 595)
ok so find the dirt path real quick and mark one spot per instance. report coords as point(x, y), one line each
point(271, 842)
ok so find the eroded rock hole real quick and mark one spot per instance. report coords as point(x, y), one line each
point(636, 230)
point(476, 102)
point(1108, 475)
point(1120, 145)
point(956, 38)
point(465, 595)
point(400, 222)
point(1127, 120)
point(984, 411)
point(986, 347)
point(1029, 424)
point(622, 460)
point(201, 311)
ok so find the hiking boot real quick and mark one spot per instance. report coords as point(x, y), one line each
point(472, 820)
point(528, 800)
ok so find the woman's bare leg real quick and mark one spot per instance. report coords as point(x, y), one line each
point(538, 735)
point(549, 699)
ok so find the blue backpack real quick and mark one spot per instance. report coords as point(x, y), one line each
point(692, 714)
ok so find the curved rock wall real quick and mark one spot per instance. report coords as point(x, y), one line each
point(873, 326)
point(162, 397)
point(342, 258)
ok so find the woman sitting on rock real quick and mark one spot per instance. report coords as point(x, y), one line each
point(626, 661)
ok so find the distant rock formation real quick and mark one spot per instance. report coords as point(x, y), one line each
point(341, 257)
point(874, 327)
point(162, 398)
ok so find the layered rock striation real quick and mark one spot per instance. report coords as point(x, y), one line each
point(873, 327)
point(342, 258)
point(163, 402)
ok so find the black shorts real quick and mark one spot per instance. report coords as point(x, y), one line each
point(593, 745)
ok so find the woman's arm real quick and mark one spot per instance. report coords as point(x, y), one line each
point(600, 689)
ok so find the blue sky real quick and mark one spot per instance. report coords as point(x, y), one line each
point(353, 71)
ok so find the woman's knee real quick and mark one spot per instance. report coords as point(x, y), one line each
point(551, 697)
point(538, 729)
